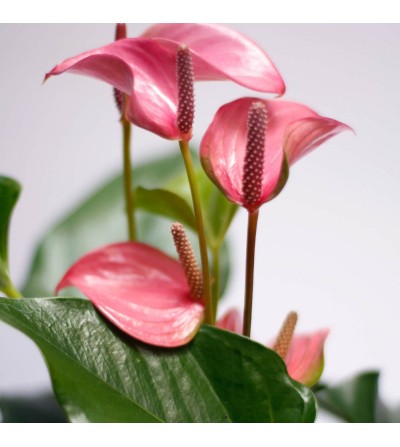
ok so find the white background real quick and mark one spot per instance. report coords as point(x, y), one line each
point(328, 246)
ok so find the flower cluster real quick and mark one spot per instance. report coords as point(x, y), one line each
point(247, 152)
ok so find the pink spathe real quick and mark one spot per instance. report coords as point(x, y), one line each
point(145, 69)
point(223, 53)
point(305, 358)
point(141, 290)
point(292, 130)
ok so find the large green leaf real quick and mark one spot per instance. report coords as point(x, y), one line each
point(354, 400)
point(9, 193)
point(101, 375)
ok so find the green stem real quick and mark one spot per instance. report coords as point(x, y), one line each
point(11, 291)
point(129, 205)
point(216, 279)
point(250, 253)
point(187, 158)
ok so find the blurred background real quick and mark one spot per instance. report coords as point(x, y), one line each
point(328, 246)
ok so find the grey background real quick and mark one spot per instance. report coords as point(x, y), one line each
point(328, 246)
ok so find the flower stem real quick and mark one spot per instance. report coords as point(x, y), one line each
point(216, 279)
point(129, 205)
point(11, 291)
point(250, 252)
point(187, 158)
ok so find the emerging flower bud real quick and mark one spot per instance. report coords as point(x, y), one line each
point(188, 260)
point(253, 167)
point(282, 343)
point(185, 78)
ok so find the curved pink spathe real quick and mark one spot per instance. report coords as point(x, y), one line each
point(306, 134)
point(293, 130)
point(141, 290)
point(305, 358)
point(145, 69)
point(223, 53)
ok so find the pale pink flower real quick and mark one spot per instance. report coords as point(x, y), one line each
point(290, 131)
point(145, 69)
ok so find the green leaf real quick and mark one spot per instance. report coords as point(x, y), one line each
point(40, 408)
point(99, 220)
point(354, 400)
point(101, 375)
point(165, 203)
point(9, 193)
point(386, 413)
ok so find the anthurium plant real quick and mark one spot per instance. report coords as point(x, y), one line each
point(140, 338)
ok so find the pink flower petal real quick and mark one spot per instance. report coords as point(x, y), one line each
point(141, 290)
point(306, 134)
point(305, 358)
point(292, 127)
point(231, 321)
point(223, 53)
point(140, 68)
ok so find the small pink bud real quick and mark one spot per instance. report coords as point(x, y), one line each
point(185, 78)
point(253, 167)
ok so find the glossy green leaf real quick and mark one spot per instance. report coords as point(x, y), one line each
point(39, 408)
point(354, 400)
point(165, 203)
point(101, 375)
point(9, 193)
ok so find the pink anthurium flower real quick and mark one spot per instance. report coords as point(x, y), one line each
point(141, 290)
point(145, 69)
point(288, 130)
point(304, 358)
